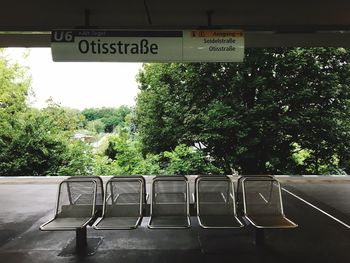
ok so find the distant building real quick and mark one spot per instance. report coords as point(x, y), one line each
point(84, 137)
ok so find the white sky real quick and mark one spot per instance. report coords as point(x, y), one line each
point(79, 85)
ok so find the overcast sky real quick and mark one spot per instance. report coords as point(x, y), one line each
point(79, 85)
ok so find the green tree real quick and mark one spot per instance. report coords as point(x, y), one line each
point(248, 116)
point(102, 165)
point(125, 153)
point(128, 159)
point(36, 142)
point(149, 165)
point(110, 117)
point(159, 122)
point(187, 160)
point(14, 86)
point(95, 126)
point(77, 159)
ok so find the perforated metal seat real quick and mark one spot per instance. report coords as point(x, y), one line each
point(215, 202)
point(75, 207)
point(66, 223)
point(169, 202)
point(123, 204)
point(263, 206)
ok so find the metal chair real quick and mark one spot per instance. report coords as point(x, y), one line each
point(123, 203)
point(75, 207)
point(215, 199)
point(169, 202)
point(262, 201)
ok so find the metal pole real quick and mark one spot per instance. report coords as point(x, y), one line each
point(259, 236)
point(81, 239)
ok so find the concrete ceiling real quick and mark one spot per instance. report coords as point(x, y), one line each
point(269, 23)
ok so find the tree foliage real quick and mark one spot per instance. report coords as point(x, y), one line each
point(15, 86)
point(109, 117)
point(186, 160)
point(126, 159)
point(250, 116)
point(280, 111)
point(32, 141)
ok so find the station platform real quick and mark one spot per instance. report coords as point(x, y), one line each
point(319, 205)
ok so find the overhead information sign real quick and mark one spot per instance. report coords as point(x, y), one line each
point(148, 46)
point(213, 46)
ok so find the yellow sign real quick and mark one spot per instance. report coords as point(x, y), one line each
point(221, 33)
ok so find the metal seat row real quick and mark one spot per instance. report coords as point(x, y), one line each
point(82, 201)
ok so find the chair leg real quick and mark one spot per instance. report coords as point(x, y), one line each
point(81, 239)
point(259, 236)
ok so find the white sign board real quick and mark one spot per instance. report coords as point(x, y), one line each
point(213, 46)
point(148, 46)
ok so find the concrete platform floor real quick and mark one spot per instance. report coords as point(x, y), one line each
point(26, 203)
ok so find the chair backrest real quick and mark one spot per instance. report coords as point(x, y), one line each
point(124, 197)
point(99, 183)
point(215, 195)
point(239, 191)
point(76, 198)
point(262, 196)
point(138, 177)
point(170, 196)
